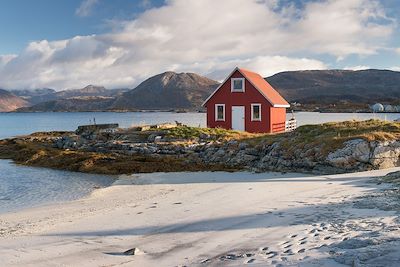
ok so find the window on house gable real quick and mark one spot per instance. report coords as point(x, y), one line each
point(256, 112)
point(220, 112)
point(237, 84)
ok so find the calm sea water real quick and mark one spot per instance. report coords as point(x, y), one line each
point(12, 124)
point(22, 187)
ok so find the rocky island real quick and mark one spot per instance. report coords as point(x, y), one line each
point(341, 147)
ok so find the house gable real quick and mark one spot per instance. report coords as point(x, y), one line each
point(262, 86)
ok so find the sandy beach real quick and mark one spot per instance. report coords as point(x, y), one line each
point(213, 219)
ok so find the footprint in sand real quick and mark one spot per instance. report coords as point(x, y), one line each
point(271, 254)
point(249, 261)
point(205, 261)
point(289, 251)
point(301, 250)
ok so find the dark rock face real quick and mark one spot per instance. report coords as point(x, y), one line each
point(331, 86)
point(10, 102)
point(168, 90)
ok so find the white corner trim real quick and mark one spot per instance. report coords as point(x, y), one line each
point(281, 106)
point(243, 84)
point(252, 112)
point(216, 112)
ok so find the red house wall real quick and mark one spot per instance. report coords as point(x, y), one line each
point(269, 116)
point(278, 120)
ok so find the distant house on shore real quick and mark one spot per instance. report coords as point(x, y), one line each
point(246, 102)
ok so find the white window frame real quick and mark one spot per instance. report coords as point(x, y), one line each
point(216, 112)
point(252, 112)
point(236, 90)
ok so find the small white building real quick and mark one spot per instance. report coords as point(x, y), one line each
point(389, 108)
point(378, 107)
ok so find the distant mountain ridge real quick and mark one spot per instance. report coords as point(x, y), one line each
point(36, 96)
point(72, 104)
point(187, 91)
point(168, 90)
point(330, 86)
point(10, 102)
point(90, 90)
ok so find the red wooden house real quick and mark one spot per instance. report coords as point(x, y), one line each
point(246, 102)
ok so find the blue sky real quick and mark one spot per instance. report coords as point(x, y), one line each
point(71, 43)
point(25, 20)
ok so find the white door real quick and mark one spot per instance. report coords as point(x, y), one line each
point(238, 118)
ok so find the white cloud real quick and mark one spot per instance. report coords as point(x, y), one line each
point(85, 8)
point(359, 67)
point(186, 35)
point(343, 27)
point(4, 59)
point(398, 50)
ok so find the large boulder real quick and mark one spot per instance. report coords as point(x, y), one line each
point(386, 154)
point(353, 153)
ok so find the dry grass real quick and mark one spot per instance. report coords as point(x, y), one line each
point(217, 134)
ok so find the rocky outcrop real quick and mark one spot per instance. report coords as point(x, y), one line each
point(355, 154)
point(359, 152)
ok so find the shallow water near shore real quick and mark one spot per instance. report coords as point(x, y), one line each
point(23, 187)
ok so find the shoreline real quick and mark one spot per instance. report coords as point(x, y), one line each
point(196, 219)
